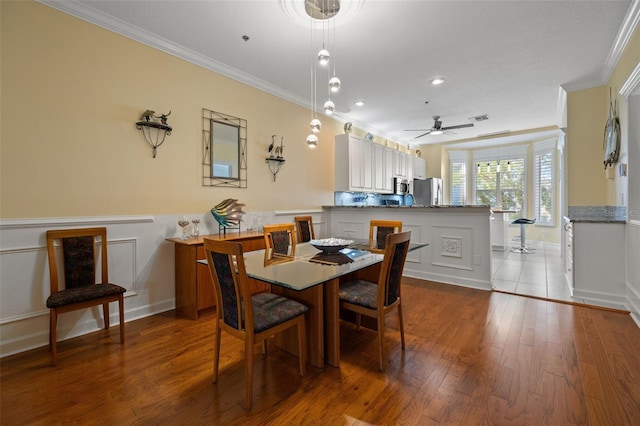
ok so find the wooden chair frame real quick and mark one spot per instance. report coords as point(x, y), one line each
point(52, 237)
point(300, 221)
point(234, 251)
point(383, 279)
point(373, 227)
point(287, 227)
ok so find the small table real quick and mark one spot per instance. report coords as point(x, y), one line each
point(315, 283)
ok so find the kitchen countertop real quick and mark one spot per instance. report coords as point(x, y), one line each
point(415, 206)
point(597, 214)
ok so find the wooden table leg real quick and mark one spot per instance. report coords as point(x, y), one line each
point(332, 322)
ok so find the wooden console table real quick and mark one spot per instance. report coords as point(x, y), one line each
point(194, 288)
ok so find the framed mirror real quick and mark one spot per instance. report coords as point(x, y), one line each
point(224, 159)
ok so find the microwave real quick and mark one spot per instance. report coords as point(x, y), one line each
point(401, 186)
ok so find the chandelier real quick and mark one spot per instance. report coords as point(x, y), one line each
point(322, 12)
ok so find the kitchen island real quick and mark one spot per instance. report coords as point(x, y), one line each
point(459, 250)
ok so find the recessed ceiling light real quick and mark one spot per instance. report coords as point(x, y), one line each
point(437, 81)
point(359, 103)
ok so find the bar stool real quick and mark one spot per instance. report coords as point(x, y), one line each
point(523, 247)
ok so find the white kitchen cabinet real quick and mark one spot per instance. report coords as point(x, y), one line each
point(353, 164)
point(594, 262)
point(419, 168)
point(382, 169)
point(399, 164)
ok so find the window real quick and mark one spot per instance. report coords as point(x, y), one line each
point(458, 176)
point(543, 183)
point(500, 179)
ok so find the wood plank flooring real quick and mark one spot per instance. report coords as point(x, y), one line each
point(472, 357)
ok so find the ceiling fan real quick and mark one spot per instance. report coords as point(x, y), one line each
point(437, 128)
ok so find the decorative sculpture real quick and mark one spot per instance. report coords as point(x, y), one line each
point(228, 213)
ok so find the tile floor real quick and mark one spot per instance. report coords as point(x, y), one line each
point(539, 274)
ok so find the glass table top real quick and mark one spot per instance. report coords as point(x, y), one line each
point(309, 267)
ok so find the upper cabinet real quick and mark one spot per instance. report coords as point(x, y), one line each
point(419, 168)
point(382, 170)
point(353, 161)
point(363, 165)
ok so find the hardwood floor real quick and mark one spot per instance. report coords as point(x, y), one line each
point(472, 357)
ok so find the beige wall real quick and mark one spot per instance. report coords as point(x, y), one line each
point(586, 117)
point(71, 93)
point(587, 112)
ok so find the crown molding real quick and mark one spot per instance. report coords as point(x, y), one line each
point(93, 16)
point(629, 24)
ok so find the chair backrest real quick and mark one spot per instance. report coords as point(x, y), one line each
point(395, 254)
point(304, 228)
point(379, 229)
point(79, 257)
point(280, 238)
point(229, 276)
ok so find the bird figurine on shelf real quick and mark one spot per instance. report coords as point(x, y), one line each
point(162, 117)
point(147, 115)
point(273, 142)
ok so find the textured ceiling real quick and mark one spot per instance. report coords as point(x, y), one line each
point(505, 59)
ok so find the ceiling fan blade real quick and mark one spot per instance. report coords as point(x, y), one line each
point(416, 130)
point(459, 126)
point(424, 134)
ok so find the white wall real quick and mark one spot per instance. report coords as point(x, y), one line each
point(140, 259)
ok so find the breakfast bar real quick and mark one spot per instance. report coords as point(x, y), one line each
point(459, 250)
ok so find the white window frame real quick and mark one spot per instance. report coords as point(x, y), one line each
point(500, 154)
point(459, 157)
point(541, 148)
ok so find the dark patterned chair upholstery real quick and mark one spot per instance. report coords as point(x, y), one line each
point(304, 228)
point(378, 231)
point(254, 322)
point(79, 288)
point(280, 239)
point(376, 299)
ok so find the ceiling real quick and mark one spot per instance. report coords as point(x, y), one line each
point(506, 59)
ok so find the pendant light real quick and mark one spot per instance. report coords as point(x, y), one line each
point(324, 11)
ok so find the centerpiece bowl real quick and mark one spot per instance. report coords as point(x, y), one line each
point(331, 245)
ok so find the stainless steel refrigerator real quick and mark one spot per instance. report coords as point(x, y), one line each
point(427, 191)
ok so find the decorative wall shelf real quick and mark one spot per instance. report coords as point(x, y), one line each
point(275, 164)
point(154, 132)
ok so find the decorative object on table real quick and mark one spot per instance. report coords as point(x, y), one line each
point(154, 132)
point(183, 223)
point(275, 160)
point(195, 228)
point(611, 143)
point(331, 245)
point(224, 150)
point(228, 214)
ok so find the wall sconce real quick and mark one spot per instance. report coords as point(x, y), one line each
point(154, 131)
point(275, 160)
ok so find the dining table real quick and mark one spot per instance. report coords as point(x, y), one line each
point(313, 277)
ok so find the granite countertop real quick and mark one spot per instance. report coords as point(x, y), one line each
point(418, 206)
point(597, 214)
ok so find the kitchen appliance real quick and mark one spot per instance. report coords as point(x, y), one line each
point(401, 186)
point(427, 192)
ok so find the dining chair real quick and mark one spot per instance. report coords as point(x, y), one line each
point(379, 229)
point(77, 287)
point(266, 314)
point(377, 299)
point(280, 238)
point(304, 228)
